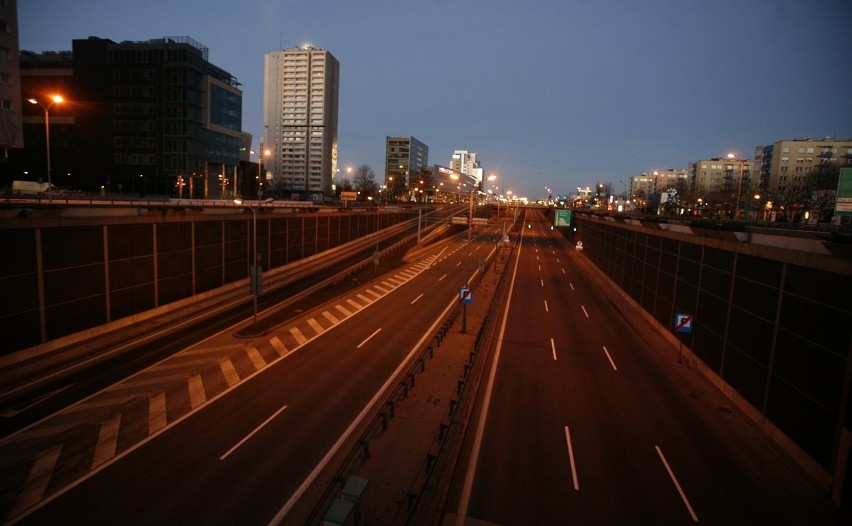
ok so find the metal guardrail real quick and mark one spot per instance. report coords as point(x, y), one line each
point(380, 421)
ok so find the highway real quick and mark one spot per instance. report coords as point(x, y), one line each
point(588, 418)
point(585, 415)
point(234, 430)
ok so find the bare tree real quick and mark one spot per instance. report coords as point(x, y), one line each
point(364, 181)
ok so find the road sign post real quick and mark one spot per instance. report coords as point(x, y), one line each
point(683, 325)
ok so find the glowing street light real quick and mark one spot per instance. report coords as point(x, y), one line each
point(54, 99)
point(256, 272)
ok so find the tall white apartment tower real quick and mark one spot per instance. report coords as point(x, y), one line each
point(300, 99)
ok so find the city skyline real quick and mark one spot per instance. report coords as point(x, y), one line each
point(556, 97)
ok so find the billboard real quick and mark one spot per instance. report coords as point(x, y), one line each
point(843, 203)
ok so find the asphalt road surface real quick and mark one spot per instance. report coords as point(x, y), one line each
point(588, 418)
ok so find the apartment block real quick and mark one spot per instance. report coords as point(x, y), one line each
point(300, 117)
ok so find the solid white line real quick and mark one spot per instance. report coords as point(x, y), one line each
point(309, 480)
point(368, 338)
point(614, 368)
point(470, 473)
point(571, 458)
point(553, 349)
point(677, 484)
point(258, 428)
point(584, 311)
point(415, 299)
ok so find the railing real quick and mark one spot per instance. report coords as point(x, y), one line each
point(380, 421)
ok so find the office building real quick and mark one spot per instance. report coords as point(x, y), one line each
point(300, 103)
point(406, 160)
point(11, 135)
point(465, 162)
point(149, 118)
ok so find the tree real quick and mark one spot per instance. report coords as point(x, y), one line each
point(364, 181)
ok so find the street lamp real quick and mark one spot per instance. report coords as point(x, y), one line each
point(54, 99)
point(256, 272)
point(739, 187)
point(467, 264)
point(261, 154)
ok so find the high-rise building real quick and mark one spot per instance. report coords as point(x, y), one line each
point(465, 162)
point(300, 102)
point(10, 80)
point(406, 159)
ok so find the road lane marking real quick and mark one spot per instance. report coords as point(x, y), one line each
point(279, 346)
point(315, 325)
point(300, 338)
point(614, 368)
point(563, 270)
point(368, 338)
point(343, 310)
point(228, 371)
point(256, 359)
point(354, 303)
point(197, 396)
point(374, 293)
point(571, 458)
point(370, 407)
point(442, 277)
point(363, 298)
point(258, 428)
point(473, 459)
point(572, 285)
point(677, 484)
point(584, 311)
point(107, 440)
point(415, 299)
point(553, 349)
point(542, 281)
point(156, 412)
point(330, 317)
point(37, 481)
point(545, 306)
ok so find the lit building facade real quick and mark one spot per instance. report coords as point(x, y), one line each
point(166, 122)
point(406, 160)
point(300, 104)
point(465, 162)
point(786, 167)
point(11, 135)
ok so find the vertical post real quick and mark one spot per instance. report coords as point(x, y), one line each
point(256, 270)
point(47, 143)
point(467, 263)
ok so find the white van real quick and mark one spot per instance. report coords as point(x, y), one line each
point(32, 188)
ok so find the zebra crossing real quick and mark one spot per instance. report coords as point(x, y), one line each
point(61, 449)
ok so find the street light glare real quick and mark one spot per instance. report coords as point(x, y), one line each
point(57, 98)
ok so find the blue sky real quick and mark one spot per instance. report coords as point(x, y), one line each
point(556, 93)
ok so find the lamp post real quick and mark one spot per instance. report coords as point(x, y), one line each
point(260, 155)
point(467, 264)
point(256, 273)
point(739, 187)
point(54, 99)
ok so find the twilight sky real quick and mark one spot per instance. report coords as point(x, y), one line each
point(548, 93)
